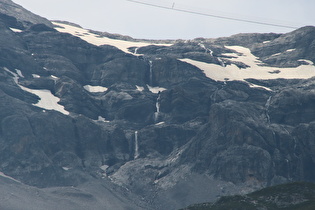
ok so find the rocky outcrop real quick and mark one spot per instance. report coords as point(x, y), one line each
point(9, 8)
point(287, 49)
point(297, 195)
point(149, 122)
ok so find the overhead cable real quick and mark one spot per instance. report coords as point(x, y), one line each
point(212, 15)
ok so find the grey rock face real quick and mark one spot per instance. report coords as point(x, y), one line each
point(287, 49)
point(8, 7)
point(230, 135)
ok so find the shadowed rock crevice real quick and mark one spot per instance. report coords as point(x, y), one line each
point(146, 127)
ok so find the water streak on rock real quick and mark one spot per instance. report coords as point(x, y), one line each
point(136, 155)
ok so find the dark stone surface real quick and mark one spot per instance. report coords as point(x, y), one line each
point(9, 8)
point(224, 130)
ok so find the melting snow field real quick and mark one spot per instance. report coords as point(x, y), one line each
point(66, 168)
point(258, 86)
point(255, 71)
point(102, 119)
point(16, 30)
point(8, 177)
point(35, 76)
point(95, 89)
point(47, 99)
point(155, 90)
point(97, 40)
point(139, 88)
point(307, 61)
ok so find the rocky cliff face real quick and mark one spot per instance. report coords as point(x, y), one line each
point(174, 123)
point(9, 8)
point(298, 195)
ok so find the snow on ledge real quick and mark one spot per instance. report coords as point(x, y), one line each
point(104, 167)
point(19, 73)
point(35, 76)
point(156, 90)
point(276, 54)
point(95, 89)
point(15, 30)
point(160, 123)
point(259, 86)
point(256, 69)
point(8, 177)
point(307, 61)
point(290, 50)
point(66, 168)
point(54, 77)
point(102, 119)
point(95, 39)
point(47, 99)
point(139, 88)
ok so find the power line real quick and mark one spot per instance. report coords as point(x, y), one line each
point(211, 15)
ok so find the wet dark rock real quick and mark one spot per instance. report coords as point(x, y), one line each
point(10, 21)
point(149, 140)
point(275, 52)
point(9, 8)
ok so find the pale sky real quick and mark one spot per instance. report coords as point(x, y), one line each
point(140, 21)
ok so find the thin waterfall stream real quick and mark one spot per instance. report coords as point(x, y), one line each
point(157, 105)
point(136, 154)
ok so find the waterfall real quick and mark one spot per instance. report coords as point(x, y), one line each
point(210, 52)
point(221, 62)
point(157, 105)
point(151, 73)
point(207, 50)
point(214, 95)
point(267, 109)
point(136, 155)
point(288, 168)
point(136, 50)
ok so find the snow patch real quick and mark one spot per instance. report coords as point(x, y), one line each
point(54, 77)
point(290, 50)
point(95, 89)
point(102, 119)
point(156, 90)
point(47, 99)
point(259, 86)
point(265, 42)
point(98, 41)
point(8, 177)
point(19, 73)
point(35, 76)
point(66, 168)
point(256, 69)
point(307, 61)
point(104, 167)
point(276, 54)
point(16, 30)
point(139, 88)
point(160, 123)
